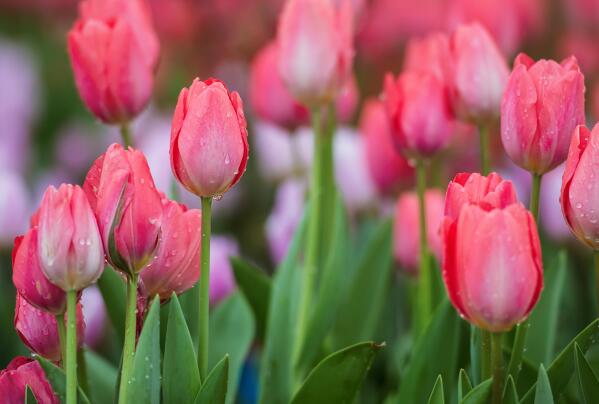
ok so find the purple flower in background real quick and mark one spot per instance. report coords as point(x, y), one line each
point(94, 315)
point(274, 148)
point(14, 207)
point(222, 282)
point(551, 216)
point(75, 149)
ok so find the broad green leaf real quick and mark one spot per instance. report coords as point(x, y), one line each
point(436, 352)
point(214, 389)
point(587, 380)
point(338, 377)
point(29, 396)
point(145, 379)
point(480, 394)
point(464, 385)
point(255, 286)
point(562, 368)
point(58, 379)
point(181, 380)
point(543, 393)
point(276, 371)
point(510, 395)
point(437, 396)
point(363, 300)
point(190, 307)
point(101, 378)
point(543, 320)
point(113, 290)
point(231, 334)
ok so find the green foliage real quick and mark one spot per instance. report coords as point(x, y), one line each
point(214, 389)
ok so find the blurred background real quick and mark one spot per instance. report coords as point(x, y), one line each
point(47, 136)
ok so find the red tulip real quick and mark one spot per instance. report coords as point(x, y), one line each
point(578, 194)
point(114, 52)
point(127, 205)
point(388, 168)
point(406, 228)
point(22, 372)
point(38, 329)
point(316, 50)
point(28, 278)
point(542, 104)
point(492, 264)
point(209, 147)
point(176, 267)
point(70, 249)
point(418, 106)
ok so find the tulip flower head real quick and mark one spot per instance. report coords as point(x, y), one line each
point(22, 372)
point(209, 146)
point(492, 264)
point(542, 104)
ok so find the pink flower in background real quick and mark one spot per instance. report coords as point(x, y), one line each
point(583, 45)
point(222, 281)
point(275, 150)
point(21, 372)
point(429, 54)
point(406, 228)
point(14, 207)
point(347, 100)
point(94, 315)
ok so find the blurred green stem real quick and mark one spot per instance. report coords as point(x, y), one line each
point(424, 299)
point(205, 287)
point(485, 344)
point(497, 365)
point(534, 195)
point(596, 261)
point(129, 341)
point(62, 337)
point(71, 348)
point(126, 135)
point(483, 132)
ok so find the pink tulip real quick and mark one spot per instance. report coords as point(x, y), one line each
point(22, 372)
point(491, 263)
point(127, 206)
point(421, 119)
point(578, 194)
point(222, 281)
point(316, 51)
point(429, 54)
point(347, 100)
point(176, 267)
point(477, 73)
point(209, 147)
point(543, 103)
point(388, 168)
point(70, 249)
point(114, 52)
point(406, 228)
point(28, 278)
point(38, 329)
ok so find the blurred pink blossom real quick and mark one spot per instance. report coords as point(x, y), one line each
point(222, 281)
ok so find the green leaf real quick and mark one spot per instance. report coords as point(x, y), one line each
point(363, 300)
point(181, 380)
point(587, 380)
point(255, 286)
point(276, 376)
point(464, 385)
point(29, 396)
point(475, 353)
point(191, 311)
point(479, 394)
point(437, 396)
point(543, 320)
point(231, 334)
point(338, 377)
point(214, 389)
point(436, 352)
point(57, 379)
point(145, 379)
point(543, 393)
point(113, 290)
point(562, 368)
point(510, 394)
point(101, 378)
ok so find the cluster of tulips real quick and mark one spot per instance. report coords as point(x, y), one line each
point(487, 241)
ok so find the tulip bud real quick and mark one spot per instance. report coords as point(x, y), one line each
point(491, 263)
point(176, 267)
point(70, 249)
point(542, 104)
point(114, 52)
point(478, 73)
point(421, 119)
point(222, 282)
point(578, 194)
point(387, 168)
point(347, 100)
point(128, 209)
point(209, 147)
point(22, 372)
point(316, 50)
point(406, 228)
point(39, 331)
point(28, 278)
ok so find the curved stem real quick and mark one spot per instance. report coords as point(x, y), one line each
point(126, 135)
point(205, 287)
point(62, 337)
point(497, 365)
point(483, 132)
point(129, 342)
point(424, 276)
point(596, 262)
point(71, 347)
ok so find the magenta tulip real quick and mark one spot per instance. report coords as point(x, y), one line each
point(22, 372)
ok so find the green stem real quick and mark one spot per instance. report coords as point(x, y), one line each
point(205, 287)
point(497, 359)
point(62, 337)
point(486, 353)
point(71, 347)
point(596, 262)
point(126, 135)
point(534, 195)
point(424, 275)
point(483, 131)
point(129, 342)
